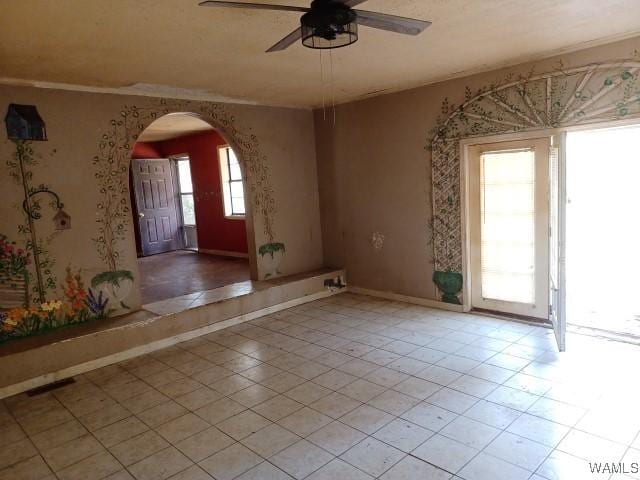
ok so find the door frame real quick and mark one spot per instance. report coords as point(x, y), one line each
point(464, 145)
point(540, 145)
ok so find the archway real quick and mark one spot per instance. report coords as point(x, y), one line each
point(190, 210)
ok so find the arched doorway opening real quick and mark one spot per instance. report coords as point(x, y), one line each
point(189, 209)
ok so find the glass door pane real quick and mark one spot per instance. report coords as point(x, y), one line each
point(507, 207)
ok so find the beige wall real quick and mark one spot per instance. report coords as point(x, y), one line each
point(284, 145)
point(374, 175)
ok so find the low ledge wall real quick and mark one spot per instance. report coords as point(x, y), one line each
point(23, 370)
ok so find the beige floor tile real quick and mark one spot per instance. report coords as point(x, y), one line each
point(372, 456)
point(393, 402)
point(192, 473)
point(204, 444)
point(120, 431)
point(310, 370)
point(301, 459)
point(127, 390)
point(429, 416)
point(96, 467)
point(445, 453)
point(231, 384)
point(417, 388)
point(102, 418)
point(270, 440)
point(403, 435)
point(71, 452)
point(139, 447)
point(252, 396)
point(410, 468)
point(282, 382)
point(277, 407)
point(144, 401)
point(305, 421)
point(334, 379)
point(366, 419)
point(160, 465)
point(198, 398)
point(386, 377)
point(40, 422)
point(219, 410)
point(182, 427)
point(261, 372)
point(58, 435)
point(244, 424)
point(10, 432)
point(179, 387)
point(307, 393)
point(362, 390)
point(335, 405)
point(164, 377)
point(33, 468)
point(162, 413)
point(230, 462)
point(336, 437)
point(121, 475)
point(264, 471)
point(338, 469)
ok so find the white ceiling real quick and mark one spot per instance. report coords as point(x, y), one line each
point(175, 48)
point(173, 125)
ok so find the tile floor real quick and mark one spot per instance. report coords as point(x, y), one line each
point(347, 388)
point(181, 272)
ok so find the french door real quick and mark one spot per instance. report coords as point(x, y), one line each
point(515, 229)
point(509, 223)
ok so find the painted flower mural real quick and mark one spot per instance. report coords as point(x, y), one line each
point(79, 305)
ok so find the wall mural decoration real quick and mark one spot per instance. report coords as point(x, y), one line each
point(112, 173)
point(564, 97)
point(272, 254)
point(29, 303)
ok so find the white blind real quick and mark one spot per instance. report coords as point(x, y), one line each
point(507, 196)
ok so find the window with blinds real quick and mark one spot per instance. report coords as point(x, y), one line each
point(507, 225)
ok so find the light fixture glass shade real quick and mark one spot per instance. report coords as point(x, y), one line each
point(330, 36)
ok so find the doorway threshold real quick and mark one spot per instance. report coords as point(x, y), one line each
point(513, 317)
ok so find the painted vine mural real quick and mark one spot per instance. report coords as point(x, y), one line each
point(564, 97)
point(30, 303)
point(112, 173)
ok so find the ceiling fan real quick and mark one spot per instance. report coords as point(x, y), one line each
point(330, 24)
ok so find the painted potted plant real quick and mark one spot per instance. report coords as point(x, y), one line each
point(13, 274)
point(447, 281)
point(271, 254)
point(117, 285)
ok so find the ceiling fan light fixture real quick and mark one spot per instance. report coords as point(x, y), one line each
point(333, 26)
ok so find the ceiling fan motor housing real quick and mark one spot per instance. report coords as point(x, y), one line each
point(329, 24)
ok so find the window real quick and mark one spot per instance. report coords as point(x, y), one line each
point(232, 187)
point(186, 191)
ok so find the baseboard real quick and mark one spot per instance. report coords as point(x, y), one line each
point(157, 345)
point(223, 253)
point(425, 302)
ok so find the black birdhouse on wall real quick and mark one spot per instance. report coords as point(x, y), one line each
point(24, 123)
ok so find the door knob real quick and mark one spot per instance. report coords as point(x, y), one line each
point(141, 215)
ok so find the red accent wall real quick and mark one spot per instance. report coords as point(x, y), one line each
point(215, 232)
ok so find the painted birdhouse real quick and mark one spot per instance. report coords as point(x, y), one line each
point(24, 123)
point(62, 220)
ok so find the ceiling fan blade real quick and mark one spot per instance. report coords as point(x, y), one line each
point(287, 41)
point(256, 6)
point(353, 3)
point(391, 23)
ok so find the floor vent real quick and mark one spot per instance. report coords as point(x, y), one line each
point(50, 386)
